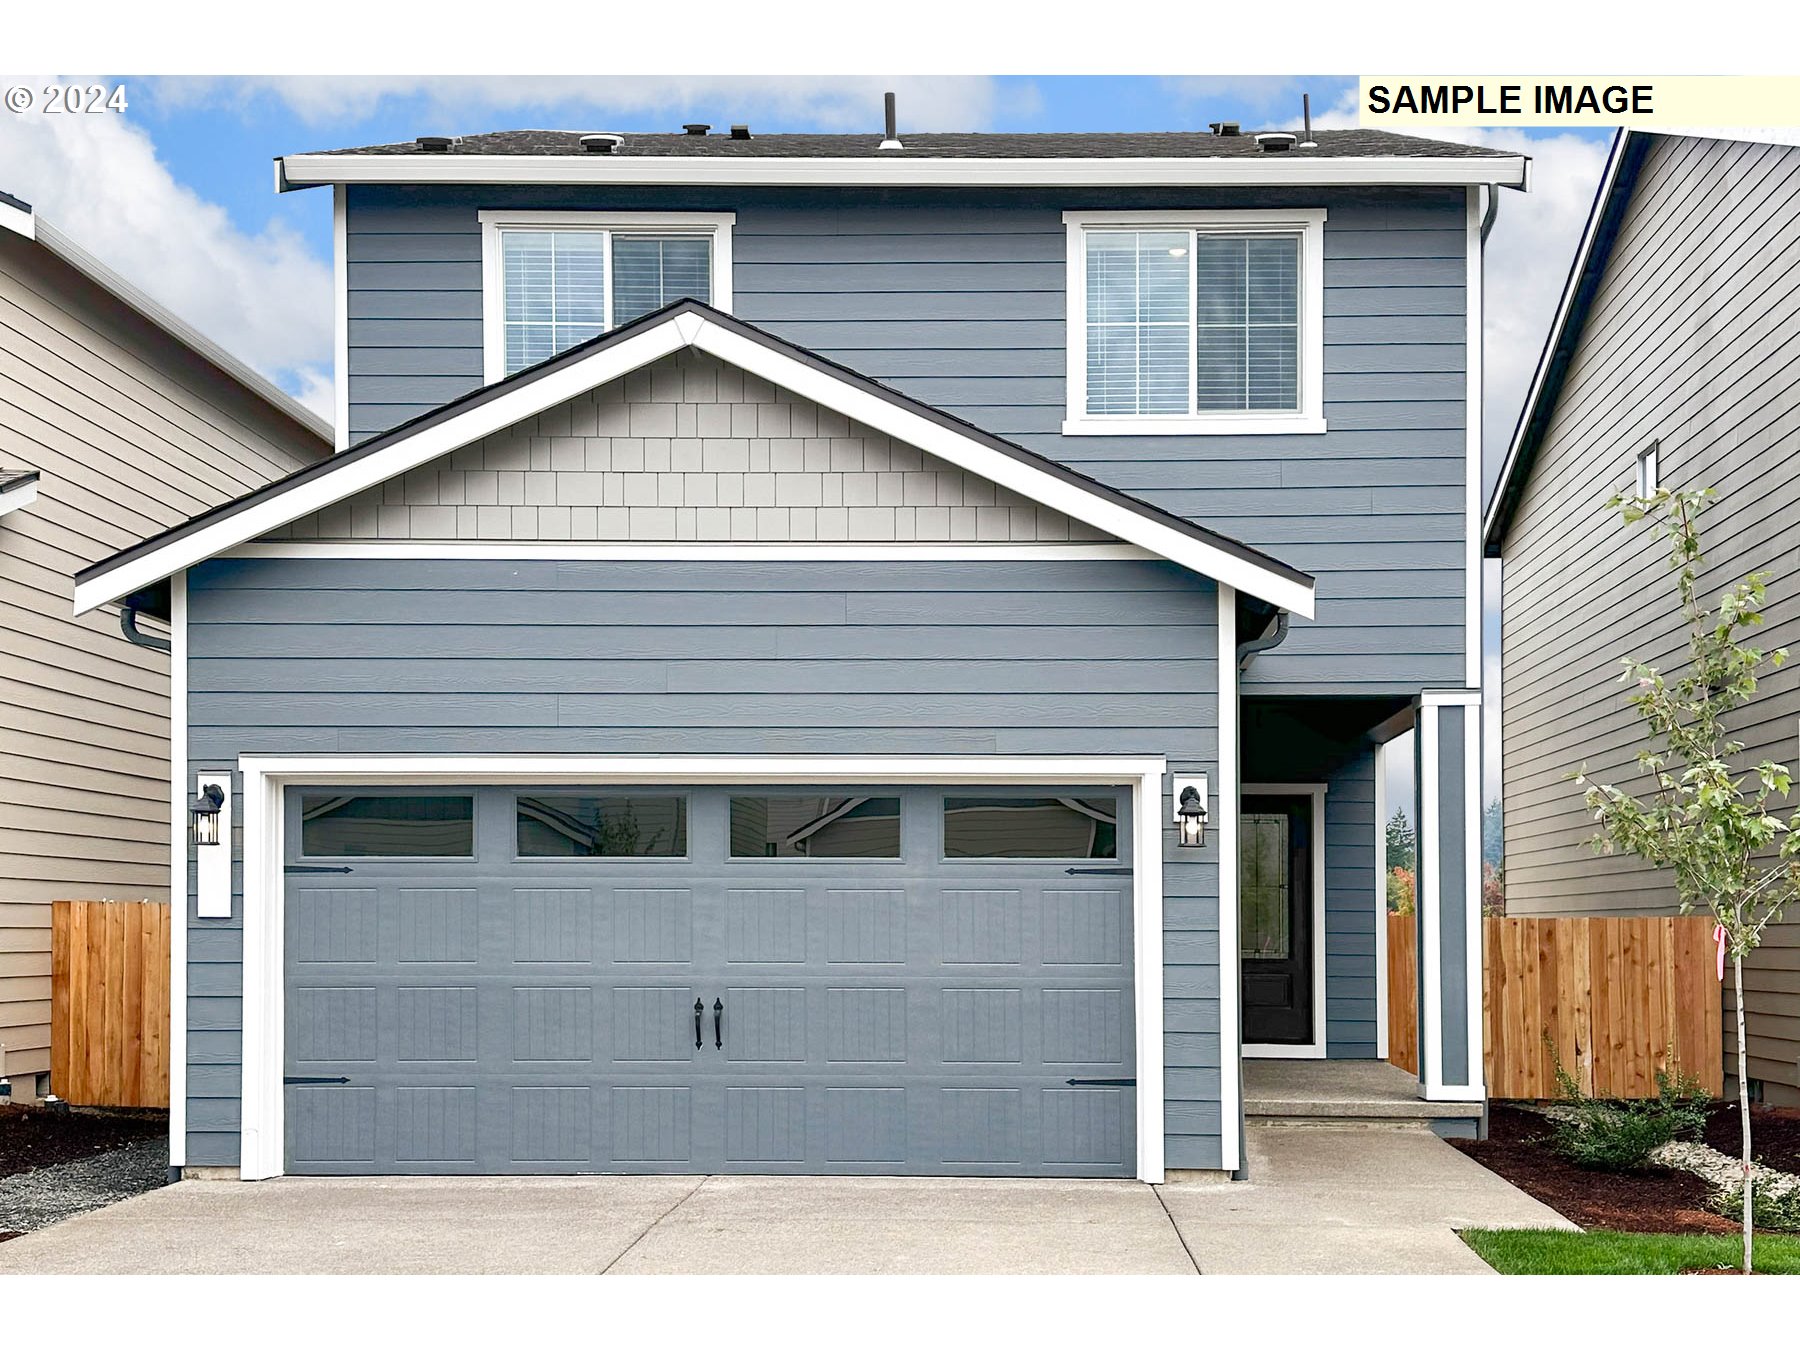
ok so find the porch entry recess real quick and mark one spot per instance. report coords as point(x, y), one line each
point(721, 978)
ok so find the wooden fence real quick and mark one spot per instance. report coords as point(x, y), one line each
point(109, 1003)
point(1615, 997)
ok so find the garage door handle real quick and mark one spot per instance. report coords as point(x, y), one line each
point(699, 1012)
point(718, 1024)
point(1097, 871)
point(291, 1081)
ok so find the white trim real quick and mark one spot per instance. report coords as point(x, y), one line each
point(1308, 419)
point(19, 496)
point(1609, 176)
point(1649, 469)
point(266, 777)
point(914, 170)
point(1381, 909)
point(527, 549)
point(1475, 971)
point(610, 362)
point(715, 225)
point(340, 270)
point(1314, 1048)
point(1450, 698)
point(178, 868)
point(19, 221)
point(1231, 1056)
point(1474, 358)
point(212, 865)
point(1428, 893)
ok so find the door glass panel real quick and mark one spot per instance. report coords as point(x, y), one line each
point(340, 826)
point(815, 827)
point(602, 827)
point(1264, 887)
point(1031, 827)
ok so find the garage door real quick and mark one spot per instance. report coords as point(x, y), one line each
point(742, 979)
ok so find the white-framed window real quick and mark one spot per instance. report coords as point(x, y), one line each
point(551, 279)
point(1195, 322)
point(1649, 469)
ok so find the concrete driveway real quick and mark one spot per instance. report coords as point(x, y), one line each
point(1323, 1200)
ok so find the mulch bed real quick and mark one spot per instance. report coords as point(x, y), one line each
point(1774, 1134)
point(1656, 1200)
point(32, 1137)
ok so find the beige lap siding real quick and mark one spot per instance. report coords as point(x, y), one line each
point(691, 449)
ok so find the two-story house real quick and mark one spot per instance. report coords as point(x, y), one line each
point(117, 420)
point(831, 653)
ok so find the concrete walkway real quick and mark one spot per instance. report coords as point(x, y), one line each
point(1328, 1200)
point(1323, 1200)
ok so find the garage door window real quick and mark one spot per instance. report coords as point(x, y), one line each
point(337, 826)
point(602, 827)
point(1031, 827)
point(815, 827)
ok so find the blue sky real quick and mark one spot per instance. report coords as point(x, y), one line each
point(177, 192)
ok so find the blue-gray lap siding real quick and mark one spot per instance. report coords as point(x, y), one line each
point(959, 298)
point(321, 656)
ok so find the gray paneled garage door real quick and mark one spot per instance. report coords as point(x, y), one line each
point(564, 979)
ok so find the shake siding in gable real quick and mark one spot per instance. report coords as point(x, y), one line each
point(301, 656)
point(1693, 340)
point(959, 298)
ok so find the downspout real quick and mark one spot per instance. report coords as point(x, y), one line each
point(1274, 637)
point(128, 626)
point(1493, 210)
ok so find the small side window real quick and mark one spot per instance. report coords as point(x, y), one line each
point(1649, 470)
point(334, 825)
point(815, 827)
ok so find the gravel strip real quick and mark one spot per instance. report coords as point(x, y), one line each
point(1722, 1170)
point(49, 1194)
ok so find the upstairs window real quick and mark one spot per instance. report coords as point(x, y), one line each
point(1195, 322)
point(554, 279)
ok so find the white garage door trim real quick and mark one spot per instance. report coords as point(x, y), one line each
point(263, 1125)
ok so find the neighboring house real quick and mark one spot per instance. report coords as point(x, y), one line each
point(116, 420)
point(731, 707)
point(1673, 362)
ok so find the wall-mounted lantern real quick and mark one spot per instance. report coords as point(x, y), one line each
point(210, 811)
point(204, 811)
point(1190, 811)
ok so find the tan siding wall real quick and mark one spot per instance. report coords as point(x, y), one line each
point(1694, 340)
point(130, 433)
point(690, 449)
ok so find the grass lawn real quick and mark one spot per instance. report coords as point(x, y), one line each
point(1536, 1251)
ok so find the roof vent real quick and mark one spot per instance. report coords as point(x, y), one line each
point(739, 132)
point(892, 139)
point(1275, 142)
point(602, 142)
point(696, 128)
point(433, 145)
point(1224, 128)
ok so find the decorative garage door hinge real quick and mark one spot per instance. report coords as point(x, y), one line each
point(308, 1081)
point(1101, 1082)
point(296, 869)
point(1098, 871)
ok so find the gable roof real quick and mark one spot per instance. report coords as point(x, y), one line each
point(21, 219)
point(542, 156)
point(691, 323)
point(1585, 274)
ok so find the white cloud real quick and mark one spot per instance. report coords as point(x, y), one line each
point(265, 298)
point(464, 104)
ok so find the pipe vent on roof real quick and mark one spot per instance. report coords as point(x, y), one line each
point(433, 145)
point(696, 128)
point(602, 142)
point(1224, 128)
point(891, 141)
point(1275, 142)
point(740, 132)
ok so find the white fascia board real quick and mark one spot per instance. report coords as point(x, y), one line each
point(18, 496)
point(17, 220)
point(333, 486)
point(1026, 479)
point(1297, 170)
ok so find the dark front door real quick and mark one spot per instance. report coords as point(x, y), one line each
point(1275, 934)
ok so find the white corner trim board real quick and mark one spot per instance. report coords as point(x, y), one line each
point(1431, 834)
point(178, 868)
point(1314, 1048)
point(1231, 1101)
point(265, 778)
point(1473, 360)
point(299, 171)
point(1381, 909)
point(610, 362)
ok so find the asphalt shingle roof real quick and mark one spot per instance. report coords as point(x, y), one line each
point(1353, 143)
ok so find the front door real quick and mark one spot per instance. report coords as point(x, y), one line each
point(1275, 934)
